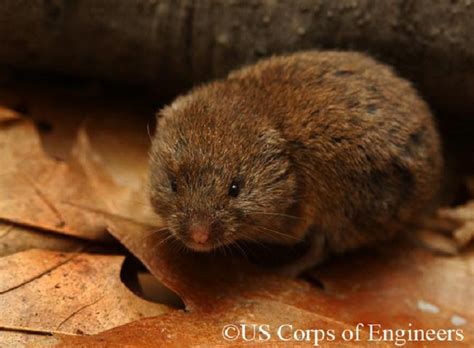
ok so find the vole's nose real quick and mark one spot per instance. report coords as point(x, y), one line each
point(199, 232)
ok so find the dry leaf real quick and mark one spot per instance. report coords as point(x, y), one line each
point(124, 201)
point(400, 278)
point(449, 231)
point(463, 217)
point(118, 127)
point(180, 329)
point(71, 293)
point(53, 195)
point(393, 285)
point(34, 188)
point(217, 289)
point(435, 241)
point(16, 238)
point(29, 339)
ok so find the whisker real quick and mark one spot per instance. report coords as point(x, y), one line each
point(249, 245)
point(151, 234)
point(227, 248)
point(255, 242)
point(221, 248)
point(164, 241)
point(273, 231)
point(242, 251)
point(181, 248)
point(161, 229)
point(158, 243)
point(250, 238)
point(273, 214)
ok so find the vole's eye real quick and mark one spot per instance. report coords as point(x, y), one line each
point(174, 185)
point(234, 189)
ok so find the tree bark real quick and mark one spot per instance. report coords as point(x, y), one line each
point(175, 43)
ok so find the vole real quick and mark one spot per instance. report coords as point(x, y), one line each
point(328, 146)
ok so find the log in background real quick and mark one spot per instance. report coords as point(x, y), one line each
point(172, 44)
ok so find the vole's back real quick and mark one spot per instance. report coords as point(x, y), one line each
point(362, 141)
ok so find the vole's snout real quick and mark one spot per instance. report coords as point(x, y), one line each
point(199, 232)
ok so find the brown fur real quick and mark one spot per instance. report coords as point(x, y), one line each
point(327, 144)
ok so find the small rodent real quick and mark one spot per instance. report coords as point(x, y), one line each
point(327, 146)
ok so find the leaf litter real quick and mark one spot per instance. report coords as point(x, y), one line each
point(71, 293)
point(80, 198)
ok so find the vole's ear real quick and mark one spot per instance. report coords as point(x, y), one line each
point(164, 114)
point(273, 140)
point(158, 116)
point(176, 106)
